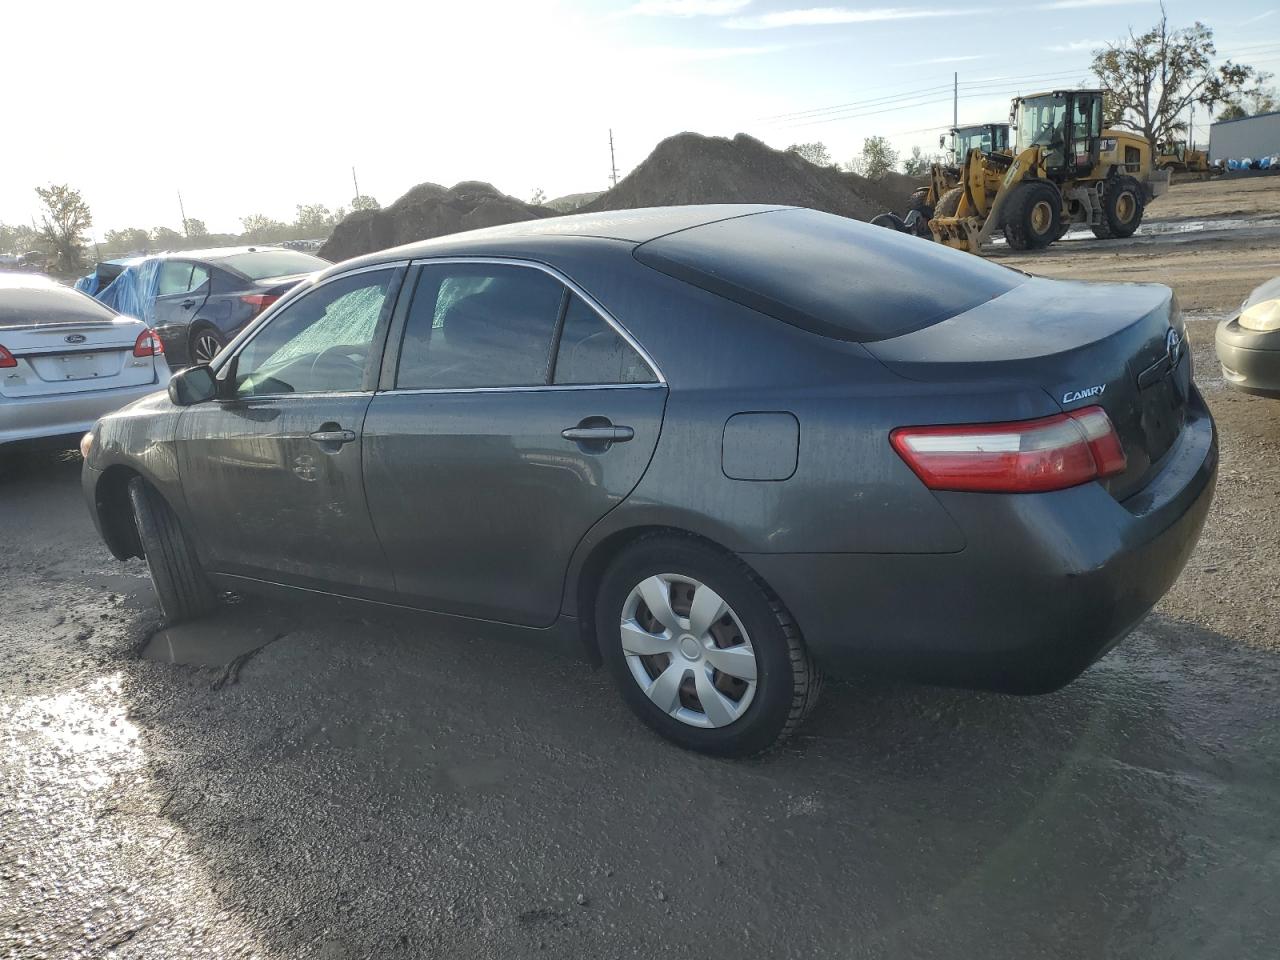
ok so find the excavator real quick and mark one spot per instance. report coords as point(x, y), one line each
point(1063, 168)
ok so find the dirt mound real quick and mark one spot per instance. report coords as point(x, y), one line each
point(425, 211)
point(690, 168)
point(570, 202)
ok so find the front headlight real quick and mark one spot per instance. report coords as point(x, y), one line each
point(1264, 315)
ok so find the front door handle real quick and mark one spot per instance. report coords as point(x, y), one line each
point(333, 438)
point(609, 434)
point(188, 304)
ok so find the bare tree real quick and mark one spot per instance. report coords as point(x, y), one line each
point(62, 225)
point(364, 202)
point(1150, 79)
point(918, 164)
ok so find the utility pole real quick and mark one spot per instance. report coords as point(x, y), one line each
point(354, 181)
point(613, 165)
point(955, 99)
point(183, 211)
point(1191, 129)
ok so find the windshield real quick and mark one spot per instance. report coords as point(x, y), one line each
point(1041, 122)
point(261, 264)
point(971, 138)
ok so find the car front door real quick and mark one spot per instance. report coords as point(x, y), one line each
point(181, 290)
point(514, 416)
point(271, 470)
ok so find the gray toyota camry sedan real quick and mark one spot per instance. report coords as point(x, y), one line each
point(724, 448)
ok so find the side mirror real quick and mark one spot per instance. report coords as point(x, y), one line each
point(193, 385)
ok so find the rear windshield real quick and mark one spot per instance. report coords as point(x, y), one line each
point(830, 275)
point(37, 305)
point(273, 263)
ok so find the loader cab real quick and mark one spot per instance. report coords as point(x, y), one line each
point(1066, 125)
point(987, 137)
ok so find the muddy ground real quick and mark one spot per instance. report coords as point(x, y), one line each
point(329, 782)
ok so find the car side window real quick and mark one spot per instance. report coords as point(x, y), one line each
point(479, 325)
point(319, 343)
point(199, 277)
point(175, 277)
point(592, 351)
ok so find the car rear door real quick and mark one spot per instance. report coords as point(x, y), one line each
point(514, 415)
point(271, 471)
point(181, 290)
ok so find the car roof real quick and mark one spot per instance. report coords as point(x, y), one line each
point(634, 226)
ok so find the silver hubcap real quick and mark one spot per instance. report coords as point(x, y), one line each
point(206, 348)
point(688, 651)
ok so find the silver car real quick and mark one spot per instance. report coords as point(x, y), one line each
point(66, 360)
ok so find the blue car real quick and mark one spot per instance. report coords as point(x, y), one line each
point(197, 300)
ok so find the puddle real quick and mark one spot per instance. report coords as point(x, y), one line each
point(217, 640)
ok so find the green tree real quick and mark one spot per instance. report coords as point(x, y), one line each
point(313, 218)
point(166, 238)
point(18, 239)
point(877, 158)
point(195, 228)
point(918, 164)
point(126, 240)
point(63, 223)
point(815, 152)
point(539, 197)
point(1151, 79)
point(259, 228)
point(1233, 111)
point(363, 202)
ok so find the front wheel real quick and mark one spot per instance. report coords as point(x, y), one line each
point(181, 586)
point(1033, 217)
point(700, 648)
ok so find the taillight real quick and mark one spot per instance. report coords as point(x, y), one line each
point(7, 359)
point(148, 345)
point(1026, 456)
point(259, 301)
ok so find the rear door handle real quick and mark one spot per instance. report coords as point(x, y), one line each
point(608, 434)
point(333, 436)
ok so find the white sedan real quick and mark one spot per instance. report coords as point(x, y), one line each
point(66, 359)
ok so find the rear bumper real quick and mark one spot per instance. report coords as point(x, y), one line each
point(68, 414)
point(1047, 584)
point(1250, 359)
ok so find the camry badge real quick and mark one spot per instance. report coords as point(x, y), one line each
point(75, 338)
point(1173, 346)
point(1071, 396)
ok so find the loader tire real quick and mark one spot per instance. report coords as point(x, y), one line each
point(1033, 216)
point(948, 203)
point(919, 200)
point(1122, 207)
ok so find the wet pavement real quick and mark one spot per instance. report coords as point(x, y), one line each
point(330, 781)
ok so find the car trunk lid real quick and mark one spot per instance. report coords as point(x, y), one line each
point(73, 356)
point(1117, 346)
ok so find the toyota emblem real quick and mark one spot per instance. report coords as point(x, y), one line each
point(1173, 346)
point(75, 338)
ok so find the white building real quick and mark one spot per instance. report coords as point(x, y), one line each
point(1251, 137)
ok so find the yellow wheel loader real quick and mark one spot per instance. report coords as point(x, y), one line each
point(1064, 169)
point(987, 137)
point(1177, 158)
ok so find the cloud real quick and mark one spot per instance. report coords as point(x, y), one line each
point(1075, 46)
point(933, 60)
point(1262, 16)
point(827, 16)
point(696, 54)
point(686, 8)
point(1081, 4)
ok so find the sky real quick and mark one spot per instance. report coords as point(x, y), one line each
point(256, 107)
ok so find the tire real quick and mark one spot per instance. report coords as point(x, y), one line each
point(1122, 208)
point(1033, 215)
point(203, 340)
point(948, 203)
point(891, 221)
point(181, 587)
point(751, 715)
point(919, 200)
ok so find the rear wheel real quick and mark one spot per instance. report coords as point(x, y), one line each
point(1122, 207)
point(205, 344)
point(1033, 215)
point(700, 648)
point(181, 586)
